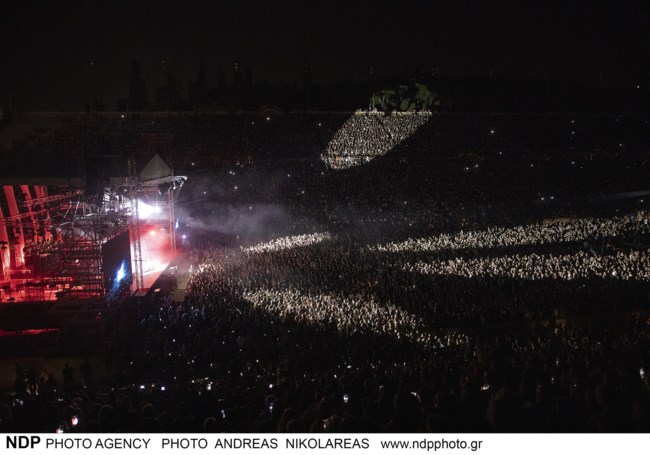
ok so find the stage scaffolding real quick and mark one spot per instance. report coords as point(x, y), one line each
point(69, 259)
point(63, 236)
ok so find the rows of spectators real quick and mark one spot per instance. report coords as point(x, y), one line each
point(330, 334)
point(368, 135)
point(404, 294)
point(206, 139)
point(560, 231)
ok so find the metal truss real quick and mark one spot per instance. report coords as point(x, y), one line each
point(65, 233)
point(69, 257)
point(135, 187)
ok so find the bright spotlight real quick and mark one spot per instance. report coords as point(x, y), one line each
point(146, 211)
point(121, 273)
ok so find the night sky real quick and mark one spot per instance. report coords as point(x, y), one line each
point(58, 55)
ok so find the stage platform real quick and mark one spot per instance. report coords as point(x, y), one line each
point(23, 290)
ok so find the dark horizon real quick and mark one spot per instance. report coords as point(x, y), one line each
point(60, 58)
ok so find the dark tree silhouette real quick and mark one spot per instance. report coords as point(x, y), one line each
point(137, 88)
point(221, 78)
point(199, 90)
point(121, 105)
point(99, 106)
point(170, 96)
point(306, 85)
point(237, 84)
point(248, 79)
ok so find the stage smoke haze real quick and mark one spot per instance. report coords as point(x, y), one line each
point(227, 206)
point(246, 223)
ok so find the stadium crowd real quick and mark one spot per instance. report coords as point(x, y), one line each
point(488, 292)
point(368, 135)
point(298, 336)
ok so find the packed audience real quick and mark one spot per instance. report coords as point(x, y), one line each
point(285, 243)
point(559, 231)
point(485, 286)
point(368, 135)
point(207, 139)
